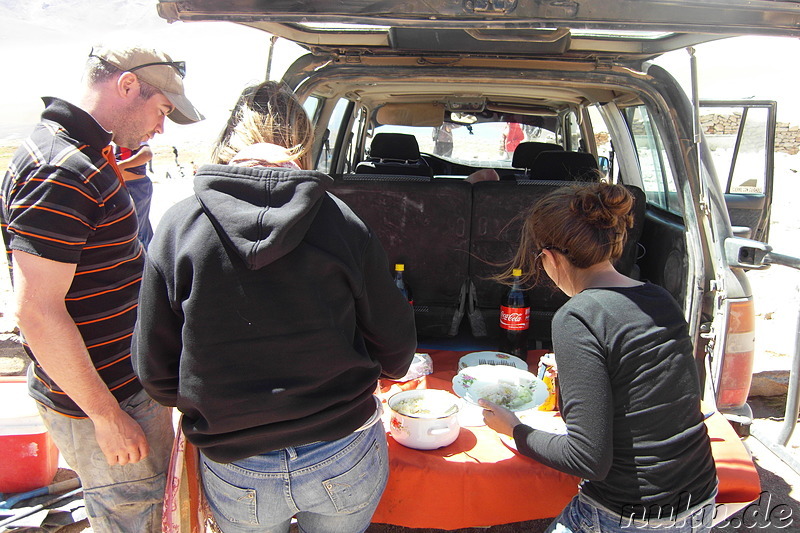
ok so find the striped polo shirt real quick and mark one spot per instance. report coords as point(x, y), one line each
point(62, 199)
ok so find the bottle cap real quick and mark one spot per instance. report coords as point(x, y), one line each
point(399, 267)
point(516, 272)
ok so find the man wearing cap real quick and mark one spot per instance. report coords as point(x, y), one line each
point(70, 232)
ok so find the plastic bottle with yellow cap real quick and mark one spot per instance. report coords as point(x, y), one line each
point(399, 268)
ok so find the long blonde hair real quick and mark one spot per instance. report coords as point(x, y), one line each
point(267, 113)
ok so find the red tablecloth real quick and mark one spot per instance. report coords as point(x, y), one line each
point(479, 481)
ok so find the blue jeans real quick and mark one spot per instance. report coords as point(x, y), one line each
point(330, 487)
point(585, 515)
point(118, 499)
point(141, 192)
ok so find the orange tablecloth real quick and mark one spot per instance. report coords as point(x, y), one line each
point(478, 481)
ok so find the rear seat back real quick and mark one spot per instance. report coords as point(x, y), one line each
point(426, 226)
point(453, 237)
point(565, 166)
point(626, 264)
point(527, 152)
point(394, 154)
point(498, 210)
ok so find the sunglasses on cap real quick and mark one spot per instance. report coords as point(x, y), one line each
point(179, 66)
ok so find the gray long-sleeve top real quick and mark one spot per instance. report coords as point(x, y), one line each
point(630, 399)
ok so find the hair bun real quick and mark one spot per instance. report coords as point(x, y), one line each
point(604, 205)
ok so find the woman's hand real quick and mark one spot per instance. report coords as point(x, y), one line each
point(499, 418)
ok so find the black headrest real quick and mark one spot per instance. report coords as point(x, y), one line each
point(394, 146)
point(565, 166)
point(526, 153)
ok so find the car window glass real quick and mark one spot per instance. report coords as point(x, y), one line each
point(332, 133)
point(482, 144)
point(353, 143)
point(311, 105)
point(573, 132)
point(657, 177)
point(742, 168)
point(602, 139)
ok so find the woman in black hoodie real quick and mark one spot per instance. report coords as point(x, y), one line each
point(267, 314)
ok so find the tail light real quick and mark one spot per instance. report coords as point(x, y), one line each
point(739, 352)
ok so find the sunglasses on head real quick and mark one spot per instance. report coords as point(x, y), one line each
point(543, 248)
point(179, 66)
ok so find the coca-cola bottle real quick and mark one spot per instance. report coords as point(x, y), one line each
point(399, 268)
point(515, 319)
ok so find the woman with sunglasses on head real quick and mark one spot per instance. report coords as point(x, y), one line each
point(268, 313)
point(629, 385)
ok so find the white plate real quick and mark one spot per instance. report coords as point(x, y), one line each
point(515, 389)
point(542, 420)
point(491, 358)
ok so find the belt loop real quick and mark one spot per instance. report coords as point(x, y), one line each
point(596, 520)
point(292, 453)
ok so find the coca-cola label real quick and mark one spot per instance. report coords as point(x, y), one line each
point(515, 318)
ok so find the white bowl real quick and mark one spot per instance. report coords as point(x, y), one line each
point(433, 424)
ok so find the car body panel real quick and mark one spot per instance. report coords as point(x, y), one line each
point(630, 28)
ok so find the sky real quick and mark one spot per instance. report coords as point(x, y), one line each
point(44, 45)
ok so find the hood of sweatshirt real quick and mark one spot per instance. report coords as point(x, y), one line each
point(262, 213)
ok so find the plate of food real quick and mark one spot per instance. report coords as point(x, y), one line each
point(491, 358)
point(507, 386)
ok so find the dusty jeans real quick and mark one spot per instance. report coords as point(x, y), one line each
point(331, 487)
point(119, 499)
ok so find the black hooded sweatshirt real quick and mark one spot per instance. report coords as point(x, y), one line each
point(267, 313)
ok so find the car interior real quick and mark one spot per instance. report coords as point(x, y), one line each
point(454, 237)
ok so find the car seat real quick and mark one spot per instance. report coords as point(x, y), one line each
point(394, 153)
point(527, 152)
point(565, 166)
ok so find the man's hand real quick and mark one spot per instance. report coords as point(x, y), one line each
point(499, 418)
point(121, 438)
point(40, 286)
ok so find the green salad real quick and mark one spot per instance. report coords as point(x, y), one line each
point(509, 395)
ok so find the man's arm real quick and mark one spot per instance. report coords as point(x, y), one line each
point(142, 156)
point(40, 286)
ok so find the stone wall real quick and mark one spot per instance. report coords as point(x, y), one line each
point(787, 136)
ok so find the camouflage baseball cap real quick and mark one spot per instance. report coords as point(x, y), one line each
point(157, 69)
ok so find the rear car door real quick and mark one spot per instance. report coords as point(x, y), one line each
point(741, 137)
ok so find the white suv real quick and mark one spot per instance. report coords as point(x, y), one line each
point(410, 98)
